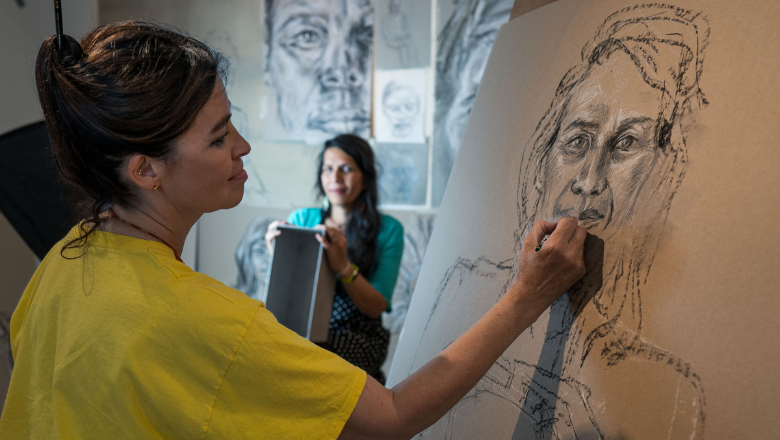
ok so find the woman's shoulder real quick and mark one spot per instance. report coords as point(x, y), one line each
point(307, 217)
point(390, 222)
point(390, 229)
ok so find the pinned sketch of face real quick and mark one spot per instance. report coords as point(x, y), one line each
point(319, 59)
point(401, 106)
point(605, 148)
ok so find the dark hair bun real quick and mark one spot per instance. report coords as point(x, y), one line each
point(71, 52)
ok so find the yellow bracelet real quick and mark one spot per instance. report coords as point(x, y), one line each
point(351, 277)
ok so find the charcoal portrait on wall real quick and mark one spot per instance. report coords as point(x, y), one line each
point(318, 63)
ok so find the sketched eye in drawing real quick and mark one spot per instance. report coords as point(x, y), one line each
point(611, 151)
point(318, 61)
point(401, 107)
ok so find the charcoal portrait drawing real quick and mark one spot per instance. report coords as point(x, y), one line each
point(319, 64)
point(397, 34)
point(611, 151)
point(403, 177)
point(401, 108)
point(464, 45)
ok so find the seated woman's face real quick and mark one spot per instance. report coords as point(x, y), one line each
point(206, 172)
point(341, 178)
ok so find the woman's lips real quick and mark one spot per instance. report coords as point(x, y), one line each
point(240, 176)
point(591, 215)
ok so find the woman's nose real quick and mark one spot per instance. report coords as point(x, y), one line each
point(592, 179)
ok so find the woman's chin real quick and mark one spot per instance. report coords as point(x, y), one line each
point(233, 201)
point(339, 201)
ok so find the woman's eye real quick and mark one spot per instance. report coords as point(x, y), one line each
point(366, 35)
point(307, 39)
point(626, 143)
point(221, 140)
point(577, 145)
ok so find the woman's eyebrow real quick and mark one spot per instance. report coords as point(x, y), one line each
point(583, 124)
point(304, 18)
point(222, 122)
point(630, 122)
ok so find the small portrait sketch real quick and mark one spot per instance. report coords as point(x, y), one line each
point(611, 151)
point(399, 99)
point(397, 34)
point(401, 107)
point(464, 45)
point(318, 63)
point(404, 173)
point(403, 34)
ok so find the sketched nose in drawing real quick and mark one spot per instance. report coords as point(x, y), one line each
point(341, 70)
point(592, 180)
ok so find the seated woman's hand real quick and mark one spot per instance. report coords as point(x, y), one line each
point(335, 244)
point(272, 233)
point(544, 275)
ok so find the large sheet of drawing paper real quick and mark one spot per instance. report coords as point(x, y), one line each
point(657, 126)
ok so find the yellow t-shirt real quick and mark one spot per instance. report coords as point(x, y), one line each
point(127, 342)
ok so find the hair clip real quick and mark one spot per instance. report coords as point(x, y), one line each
point(58, 22)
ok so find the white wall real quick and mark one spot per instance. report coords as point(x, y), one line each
point(22, 29)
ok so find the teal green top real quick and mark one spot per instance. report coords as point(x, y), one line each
point(389, 249)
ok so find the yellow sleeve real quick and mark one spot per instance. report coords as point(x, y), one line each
point(281, 386)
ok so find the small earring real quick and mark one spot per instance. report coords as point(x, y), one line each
point(155, 187)
point(139, 172)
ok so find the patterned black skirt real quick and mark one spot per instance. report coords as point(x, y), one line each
point(358, 339)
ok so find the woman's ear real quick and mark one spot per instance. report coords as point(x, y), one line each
point(143, 171)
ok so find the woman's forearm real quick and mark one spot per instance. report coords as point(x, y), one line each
point(428, 394)
point(431, 391)
point(542, 277)
point(366, 298)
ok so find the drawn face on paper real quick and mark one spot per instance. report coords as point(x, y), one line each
point(605, 148)
point(401, 106)
point(319, 59)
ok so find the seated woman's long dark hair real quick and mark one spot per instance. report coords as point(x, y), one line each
point(363, 223)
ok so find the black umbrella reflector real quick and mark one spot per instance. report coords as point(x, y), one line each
point(32, 195)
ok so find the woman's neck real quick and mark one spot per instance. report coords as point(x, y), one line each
point(339, 214)
point(156, 226)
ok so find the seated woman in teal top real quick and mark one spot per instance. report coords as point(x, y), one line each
point(363, 246)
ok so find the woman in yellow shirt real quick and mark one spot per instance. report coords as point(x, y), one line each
point(115, 337)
